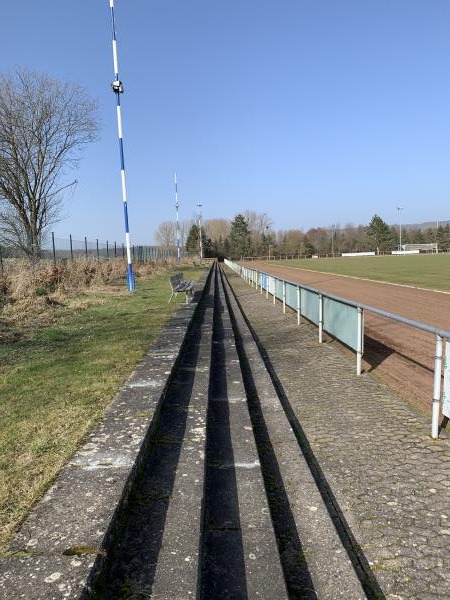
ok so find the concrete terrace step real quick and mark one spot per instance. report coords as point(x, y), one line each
point(156, 552)
point(61, 546)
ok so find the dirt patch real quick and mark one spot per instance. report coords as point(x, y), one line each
point(400, 356)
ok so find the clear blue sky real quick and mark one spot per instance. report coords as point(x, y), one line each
point(316, 112)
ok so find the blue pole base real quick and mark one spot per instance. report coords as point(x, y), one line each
point(130, 278)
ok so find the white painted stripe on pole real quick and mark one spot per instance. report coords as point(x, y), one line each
point(124, 186)
point(111, 3)
point(119, 122)
point(127, 241)
point(320, 318)
point(360, 341)
point(115, 59)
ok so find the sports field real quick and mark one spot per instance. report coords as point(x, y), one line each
point(422, 270)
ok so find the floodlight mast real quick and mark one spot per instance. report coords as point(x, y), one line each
point(200, 229)
point(399, 210)
point(117, 88)
point(178, 223)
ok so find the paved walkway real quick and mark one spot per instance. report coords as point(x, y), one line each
point(389, 479)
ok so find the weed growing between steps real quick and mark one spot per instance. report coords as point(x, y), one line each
point(59, 369)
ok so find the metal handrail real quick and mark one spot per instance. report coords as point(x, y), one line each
point(439, 333)
point(378, 311)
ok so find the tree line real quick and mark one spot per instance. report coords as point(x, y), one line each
point(251, 234)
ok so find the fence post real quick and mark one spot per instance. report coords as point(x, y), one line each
point(85, 246)
point(360, 341)
point(261, 282)
point(1, 260)
point(54, 249)
point(115, 250)
point(437, 389)
point(98, 254)
point(123, 251)
point(107, 250)
point(299, 316)
point(284, 297)
point(267, 286)
point(274, 290)
point(71, 247)
point(320, 318)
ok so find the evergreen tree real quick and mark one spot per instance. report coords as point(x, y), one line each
point(192, 242)
point(418, 237)
point(379, 235)
point(442, 238)
point(240, 238)
point(308, 247)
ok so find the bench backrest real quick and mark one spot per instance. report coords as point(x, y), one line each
point(175, 280)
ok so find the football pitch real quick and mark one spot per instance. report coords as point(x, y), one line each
point(430, 271)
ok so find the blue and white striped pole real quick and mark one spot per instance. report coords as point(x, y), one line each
point(117, 88)
point(178, 223)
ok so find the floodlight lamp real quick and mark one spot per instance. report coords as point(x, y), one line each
point(117, 86)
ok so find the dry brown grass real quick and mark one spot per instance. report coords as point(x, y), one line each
point(29, 294)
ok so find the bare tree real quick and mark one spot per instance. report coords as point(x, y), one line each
point(184, 231)
point(165, 235)
point(217, 229)
point(258, 223)
point(44, 123)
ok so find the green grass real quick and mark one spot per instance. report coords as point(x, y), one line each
point(56, 380)
point(423, 270)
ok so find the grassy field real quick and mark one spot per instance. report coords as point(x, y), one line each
point(58, 375)
point(422, 270)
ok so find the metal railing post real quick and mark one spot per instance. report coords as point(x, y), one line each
point(98, 253)
point(107, 249)
point(360, 340)
point(320, 318)
point(71, 247)
point(261, 282)
point(267, 286)
point(274, 290)
point(299, 315)
point(85, 247)
point(284, 297)
point(437, 389)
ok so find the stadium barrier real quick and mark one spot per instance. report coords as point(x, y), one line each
point(343, 319)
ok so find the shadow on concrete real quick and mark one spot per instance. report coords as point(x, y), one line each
point(222, 561)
